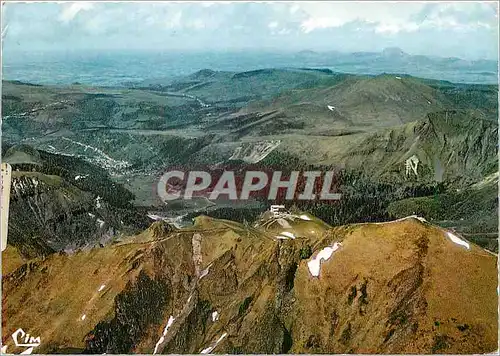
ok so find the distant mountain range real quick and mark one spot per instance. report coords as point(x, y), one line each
point(395, 60)
point(123, 68)
point(396, 53)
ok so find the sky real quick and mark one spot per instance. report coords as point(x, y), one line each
point(467, 30)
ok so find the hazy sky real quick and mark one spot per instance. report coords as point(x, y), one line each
point(461, 29)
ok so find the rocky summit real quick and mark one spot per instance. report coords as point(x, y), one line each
point(286, 283)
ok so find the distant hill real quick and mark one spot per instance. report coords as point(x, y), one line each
point(239, 88)
point(358, 103)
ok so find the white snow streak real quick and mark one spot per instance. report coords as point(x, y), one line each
point(457, 240)
point(215, 316)
point(162, 338)
point(155, 217)
point(209, 349)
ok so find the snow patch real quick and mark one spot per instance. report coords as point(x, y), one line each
point(331, 108)
point(215, 316)
point(162, 338)
point(398, 78)
point(305, 217)
point(209, 349)
point(83, 317)
point(457, 240)
point(325, 254)
point(101, 287)
point(411, 164)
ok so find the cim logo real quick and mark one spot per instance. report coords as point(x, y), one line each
point(23, 339)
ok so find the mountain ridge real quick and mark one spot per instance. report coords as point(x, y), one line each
point(219, 286)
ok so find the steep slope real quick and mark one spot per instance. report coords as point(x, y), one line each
point(450, 145)
point(62, 203)
point(223, 287)
point(455, 146)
